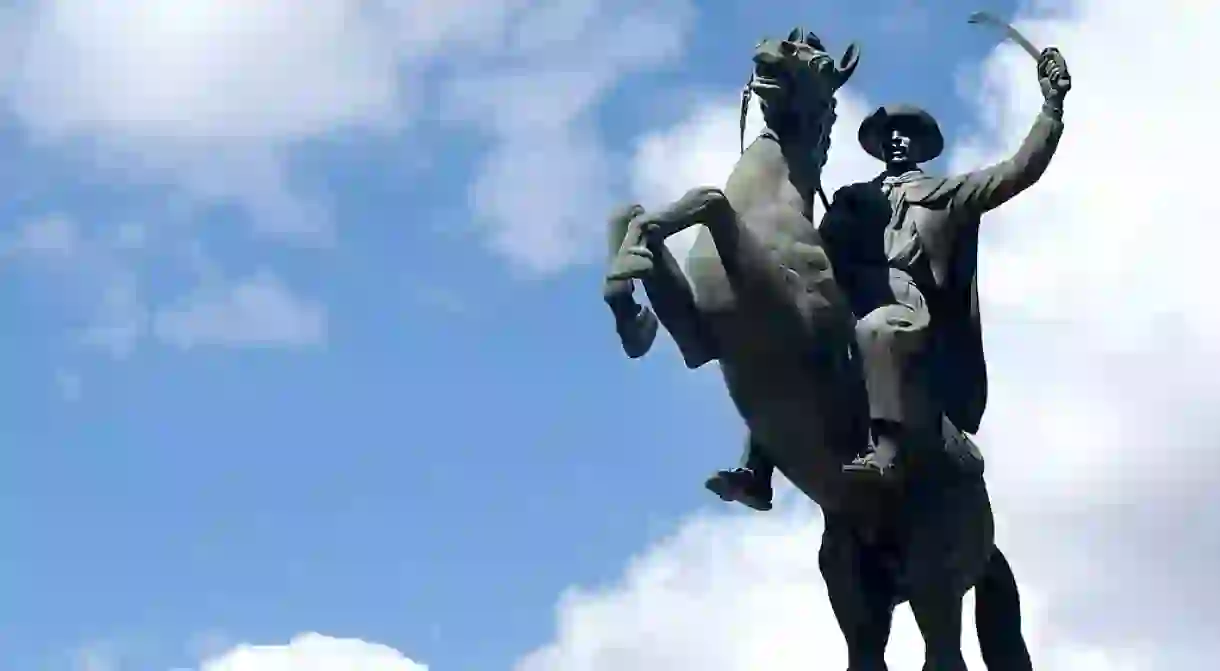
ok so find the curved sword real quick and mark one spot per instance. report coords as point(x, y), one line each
point(986, 18)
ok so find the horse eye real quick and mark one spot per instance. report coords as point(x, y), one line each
point(787, 48)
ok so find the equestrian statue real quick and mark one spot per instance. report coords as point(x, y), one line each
point(851, 349)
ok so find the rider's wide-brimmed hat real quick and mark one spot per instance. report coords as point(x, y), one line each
point(926, 140)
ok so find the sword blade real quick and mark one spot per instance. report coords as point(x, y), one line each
point(987, 18)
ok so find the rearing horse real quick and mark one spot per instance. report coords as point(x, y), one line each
point(763, 301)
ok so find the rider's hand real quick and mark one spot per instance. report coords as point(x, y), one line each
point(1053, 76)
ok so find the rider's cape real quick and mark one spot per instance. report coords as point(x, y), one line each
point(951, 244)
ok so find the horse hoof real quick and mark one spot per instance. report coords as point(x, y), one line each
point(626, 213)
point(638, 334)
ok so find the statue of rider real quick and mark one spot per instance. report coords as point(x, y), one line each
point(904, 248)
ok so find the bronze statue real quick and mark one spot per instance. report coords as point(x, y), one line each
point(775, 302)
point(904, 247)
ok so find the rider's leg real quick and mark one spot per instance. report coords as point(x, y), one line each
point(750, 483)
point(892, 339)
point(754, 460)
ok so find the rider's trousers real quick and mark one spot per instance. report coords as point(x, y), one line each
point(893, 337)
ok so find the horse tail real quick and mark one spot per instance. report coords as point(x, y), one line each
point(997, 617)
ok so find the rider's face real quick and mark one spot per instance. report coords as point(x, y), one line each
point(897, 147)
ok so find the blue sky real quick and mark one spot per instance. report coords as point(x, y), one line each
point(410, 423)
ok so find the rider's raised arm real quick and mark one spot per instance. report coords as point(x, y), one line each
point(986, 189)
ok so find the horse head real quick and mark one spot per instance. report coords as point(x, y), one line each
point(795, 80)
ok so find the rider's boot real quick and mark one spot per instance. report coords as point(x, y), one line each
point(751, 483)
point(749, 487)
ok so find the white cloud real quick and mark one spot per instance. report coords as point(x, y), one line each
point(205, 69)
point(96, 279)
point(209, 98)
point(540, 190)
point(534, 195)
point(743, 591)
point(258, 310)
point(205, 94)
point(208, 95)
point(313, 652)
point(1101, 338)
point(99, 275)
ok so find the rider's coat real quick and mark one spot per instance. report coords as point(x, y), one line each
point(932, 234)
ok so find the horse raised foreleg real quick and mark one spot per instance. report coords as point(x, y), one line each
point(668, 291)
point(753, 272)
point(635, 323)
point(672, 298)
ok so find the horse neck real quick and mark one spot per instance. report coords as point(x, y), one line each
point(783, 165)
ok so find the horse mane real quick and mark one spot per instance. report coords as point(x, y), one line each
point(825, 124)
point(818, 124)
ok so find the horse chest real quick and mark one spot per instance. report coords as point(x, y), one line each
point(790, 241)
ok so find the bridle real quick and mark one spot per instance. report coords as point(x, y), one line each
point(746, 95)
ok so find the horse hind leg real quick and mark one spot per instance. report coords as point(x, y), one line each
point(997, 618)
point(861, 591)
point(938, 612)
point(668, 291)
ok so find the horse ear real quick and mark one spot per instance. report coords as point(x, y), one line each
point(848, 63)
point(814, 41)
point(796, 34)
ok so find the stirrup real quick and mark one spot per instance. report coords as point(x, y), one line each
point(866, 466)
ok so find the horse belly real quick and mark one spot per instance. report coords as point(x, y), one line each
point(802, 421)
point(713, 292)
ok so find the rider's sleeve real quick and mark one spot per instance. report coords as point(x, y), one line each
point(982, 190)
